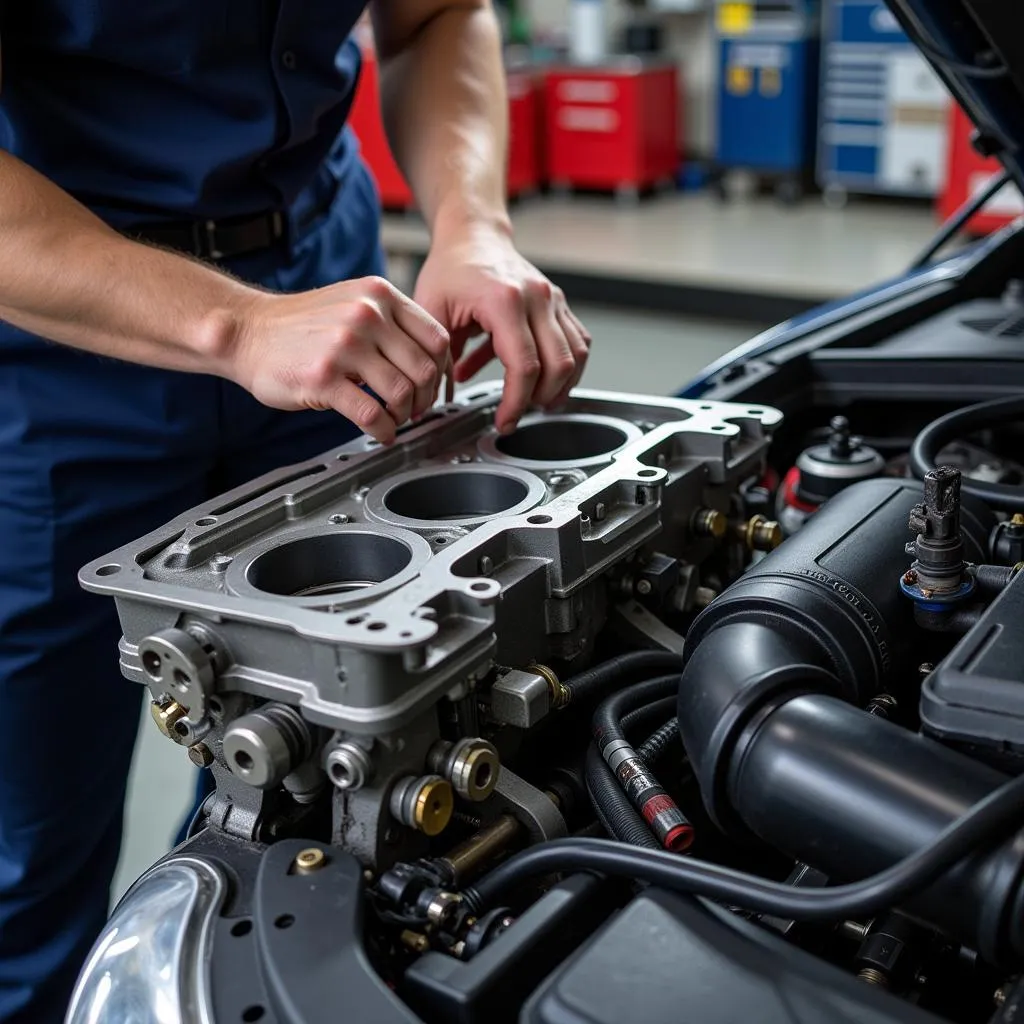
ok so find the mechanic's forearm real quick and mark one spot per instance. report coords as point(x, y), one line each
point(446, 113)
point(67, 276)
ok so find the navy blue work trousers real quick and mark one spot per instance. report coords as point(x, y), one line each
point(93, 454)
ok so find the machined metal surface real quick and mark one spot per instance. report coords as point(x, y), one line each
point(363, 585)
point(346, 625)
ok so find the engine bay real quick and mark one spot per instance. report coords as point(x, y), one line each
point(706, 708)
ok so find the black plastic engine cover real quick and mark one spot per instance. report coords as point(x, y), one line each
point(666, 960)
point(975, 698)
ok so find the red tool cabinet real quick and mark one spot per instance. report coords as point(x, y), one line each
point(365, 119)
point(968, 174)
point(613, 127)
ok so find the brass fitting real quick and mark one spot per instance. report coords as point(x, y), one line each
point(470, 765)
point(167, 715)
point(468, 857)
point(873, 977)
point(309, 860)
point(200, 755)
point(560, 696)
point(709, 522)
point(415, 941)
point(1017, 519)
point(425, 803)
point(760, 533)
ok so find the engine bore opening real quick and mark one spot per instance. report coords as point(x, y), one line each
point(455, 496)
point(562, 440)
point(335, 563)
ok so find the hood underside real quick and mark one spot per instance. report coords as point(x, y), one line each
point(977, 47)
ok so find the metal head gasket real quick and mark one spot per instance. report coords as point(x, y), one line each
point(362, 585)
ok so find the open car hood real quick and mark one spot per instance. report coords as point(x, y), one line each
point(977, 48)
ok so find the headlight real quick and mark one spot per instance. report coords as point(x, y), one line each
point(150, 964)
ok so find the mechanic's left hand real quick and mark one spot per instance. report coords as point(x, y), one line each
point(478, 283)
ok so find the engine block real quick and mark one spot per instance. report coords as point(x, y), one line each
point(302, 630)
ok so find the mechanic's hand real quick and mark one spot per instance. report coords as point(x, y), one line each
point(478, 283)
point(314, 350)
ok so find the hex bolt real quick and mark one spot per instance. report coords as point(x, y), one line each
point(424, 803)
point(709, 522)
point(200, 755)
point(167, 715)
point(309, 860)
point(338, 519)
point(760, 533)
point(349, 766)
point(600, 511)
point(442, 908)
point(471, 765)
point(644, 588)
point(264, 746)
point(557, 480)
point(486, 565)
point(462, 458)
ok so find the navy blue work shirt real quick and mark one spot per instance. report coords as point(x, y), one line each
point(185, 109)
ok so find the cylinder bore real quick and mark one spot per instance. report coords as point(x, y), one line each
point(336, 563)
point(331, 566)
point(455, 496)
point(560, 441)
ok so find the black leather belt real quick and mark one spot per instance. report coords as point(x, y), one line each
point(216, 239)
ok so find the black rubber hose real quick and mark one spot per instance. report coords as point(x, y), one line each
point(668, 823)
point(659, 741)
point(641, 721)
point(958, 424)
point(612, 806)
point(599, 681)
point(609, 715)
point(985, 823)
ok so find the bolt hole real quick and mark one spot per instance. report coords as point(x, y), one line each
point(754, 412)
point(215, 705)
point(206, 521)
point(483, 776)
point(253, 1013)
point(108, 570)
point(436, 805)
point(480, 587)
point(244, 760)
point(151, 663)
point(181, 728)
point(376, 627)
point(707, 407)
point(719, 427)
point(240, 928)
point(405, 634)
point(284, 921)
point(539, 520)
point(343, 458)
point(648, 472)
point(440, 540)
point(181, 680)
point(339, 772)
point(354, 620)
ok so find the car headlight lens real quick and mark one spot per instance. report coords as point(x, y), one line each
point(150, 964)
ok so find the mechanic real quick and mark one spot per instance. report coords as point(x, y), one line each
point(184, 212)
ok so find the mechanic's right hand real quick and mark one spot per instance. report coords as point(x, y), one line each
point(314, 350)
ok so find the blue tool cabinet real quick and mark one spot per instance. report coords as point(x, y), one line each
point(768, 57)
point(884, 112)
